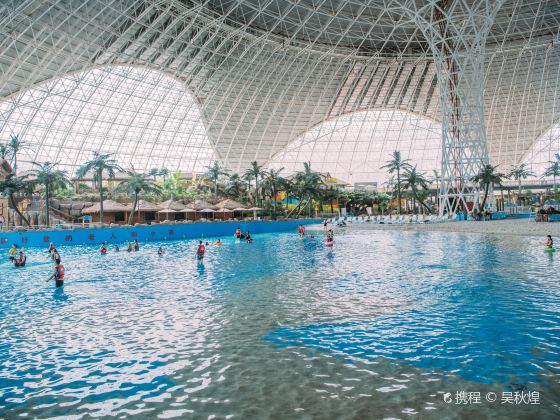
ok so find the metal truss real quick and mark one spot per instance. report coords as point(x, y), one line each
point(260, 74)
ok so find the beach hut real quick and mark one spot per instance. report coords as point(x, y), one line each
point(113, 212)
point(230, 206)
point(145, 211)
point(171, 210)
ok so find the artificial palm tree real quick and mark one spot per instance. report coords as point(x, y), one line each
point(214, 173)
point(307, 185)
point(518, 173)
point(155, 172)
point(234, 186)
point(553, 170)
point(12, 185)
point(46, 174)
point(100, 163)
point(273, 183)
point(397, 164)
point(416, 181)
point(134, 185)
point(11, 150)
point(254, 172)
point(485, 178)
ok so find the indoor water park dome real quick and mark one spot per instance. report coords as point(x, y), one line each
point(452, 84)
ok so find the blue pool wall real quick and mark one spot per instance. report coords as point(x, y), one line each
point(119, 235)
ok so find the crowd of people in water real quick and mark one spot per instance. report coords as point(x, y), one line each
point(18, 258)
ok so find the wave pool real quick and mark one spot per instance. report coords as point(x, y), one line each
point(384, 325)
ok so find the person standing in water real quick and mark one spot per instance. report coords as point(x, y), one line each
point(301, 231)
point(200, 251)
point(20, 261)
point(129, 247)
point(103, 249)
point(136, 245)
point(58, 274)
point(549, 243)
point(53, 252)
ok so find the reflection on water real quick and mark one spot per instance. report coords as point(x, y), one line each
point(383, 323)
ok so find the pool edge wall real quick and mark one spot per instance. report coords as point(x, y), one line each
point(120, 235)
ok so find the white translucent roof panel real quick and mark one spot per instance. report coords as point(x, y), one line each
point(354, 147)
point(544, 149)
point(145, 117)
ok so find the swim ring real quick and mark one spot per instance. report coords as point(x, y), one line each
point(549, 249)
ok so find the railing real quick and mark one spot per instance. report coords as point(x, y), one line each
point(96, 225)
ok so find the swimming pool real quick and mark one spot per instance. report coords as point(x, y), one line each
point(383, 325)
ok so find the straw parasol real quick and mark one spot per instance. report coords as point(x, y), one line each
point(166, 212)
point(172, 205)
point(143, 205)
point(109, 206)
point(255, 209)
point(224, 211)
point(230, 205)
point(200, 205)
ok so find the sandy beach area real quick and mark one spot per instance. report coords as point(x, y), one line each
point(516, 227)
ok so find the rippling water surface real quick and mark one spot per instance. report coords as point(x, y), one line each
point(381, 326)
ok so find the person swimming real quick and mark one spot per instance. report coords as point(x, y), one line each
point(117, 249)
point(58, 274)
point(549, 243)
point(20, 260)
point(160, 251)
point(13, 250)
point(129, 247)
point(200, 251)
point(136, 245)
point(248, 237)
point(218, 242)
point(238, 233)
point(103, 249)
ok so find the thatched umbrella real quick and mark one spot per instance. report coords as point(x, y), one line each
point(166, 212)
point(224, 211)
point(172, 205)
point(207, 210)
point(229, 204)
point(199, 205)
point(255, 210)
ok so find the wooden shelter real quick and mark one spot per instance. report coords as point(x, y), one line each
point(113, 212)
point(145, 211)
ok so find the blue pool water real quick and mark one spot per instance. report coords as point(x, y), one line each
point(384, 323)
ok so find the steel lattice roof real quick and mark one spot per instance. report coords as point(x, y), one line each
point(259, 74)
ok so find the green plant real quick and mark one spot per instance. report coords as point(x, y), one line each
point(46, 174)
point(518, 173)
point(254, 172)
point(485, 178)
point(418, 184)
point(135, 184)
point(12, 185)
point(214, 173)
point(397, 164)
point(99, 164)
point(272, 183)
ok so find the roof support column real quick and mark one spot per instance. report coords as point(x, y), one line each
point(456, 31)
